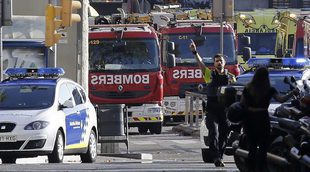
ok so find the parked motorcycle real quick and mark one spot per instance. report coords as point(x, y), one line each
point(299, 106)
point(292, 143)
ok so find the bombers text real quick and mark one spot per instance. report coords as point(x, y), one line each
point(188, 73)
point(119, 79)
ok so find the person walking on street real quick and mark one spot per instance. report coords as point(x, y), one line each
point(216, 120)
point(256, 98)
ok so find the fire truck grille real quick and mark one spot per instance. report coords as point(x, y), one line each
point(118, 95)
point(192, 88)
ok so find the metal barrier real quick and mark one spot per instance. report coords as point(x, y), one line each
point(192, 99)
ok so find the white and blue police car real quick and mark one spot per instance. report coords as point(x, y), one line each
point(44, 114)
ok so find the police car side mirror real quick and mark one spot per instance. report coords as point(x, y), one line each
point(171, 60)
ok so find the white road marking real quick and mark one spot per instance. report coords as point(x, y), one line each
point(185, 141)
point(143, 142)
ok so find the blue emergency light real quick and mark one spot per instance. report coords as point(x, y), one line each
point(296, 63)
point(31, 72)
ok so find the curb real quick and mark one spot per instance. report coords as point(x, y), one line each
point(141, 156)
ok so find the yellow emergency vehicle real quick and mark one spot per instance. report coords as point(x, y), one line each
point(261, 27)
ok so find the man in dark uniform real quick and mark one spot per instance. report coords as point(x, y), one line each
point(216, 121)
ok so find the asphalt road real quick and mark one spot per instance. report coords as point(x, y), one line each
point(165, 152)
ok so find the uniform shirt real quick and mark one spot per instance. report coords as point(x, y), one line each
point(215, 81)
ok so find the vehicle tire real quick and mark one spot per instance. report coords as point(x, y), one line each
point(206, 157)
point(91, 154)
point(57, 155)
point(156, 128)
point(142, 129)
point(8, 160)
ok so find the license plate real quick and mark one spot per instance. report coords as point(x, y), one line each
point(8, 139)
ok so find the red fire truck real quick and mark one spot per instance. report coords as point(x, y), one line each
point(186, 75)
point(125, 69)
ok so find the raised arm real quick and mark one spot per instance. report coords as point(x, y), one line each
point(206, 71)
point(193, 48)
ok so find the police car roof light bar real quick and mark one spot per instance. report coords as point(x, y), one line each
point(34, 72)
point(295, 63)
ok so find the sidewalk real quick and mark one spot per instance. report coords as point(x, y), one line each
point(101, 157)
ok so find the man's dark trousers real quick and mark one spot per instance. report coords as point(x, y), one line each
point(217, 125)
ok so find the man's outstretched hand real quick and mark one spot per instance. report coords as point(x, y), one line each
point(192, 46)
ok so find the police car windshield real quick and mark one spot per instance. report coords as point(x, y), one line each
point(275, 81)
point(18, 97)
point(261, 43)
point(207, 45)
point(127, 54)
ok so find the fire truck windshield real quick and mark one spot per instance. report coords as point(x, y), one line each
point(207, 45)
point(261, 43)
point(125, 54)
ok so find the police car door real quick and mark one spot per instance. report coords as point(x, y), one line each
point(76, 122)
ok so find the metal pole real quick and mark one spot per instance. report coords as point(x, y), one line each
point(186, 108)
point(197, 104)
point(191, 120)
point(222, 32)
point(222, 35)
point(52, 56)
point(1, 46)
point(82, 46)
point(1, 52)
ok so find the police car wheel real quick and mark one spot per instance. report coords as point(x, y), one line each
point(91, 154)
point(8, 160)
point(58, 152)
